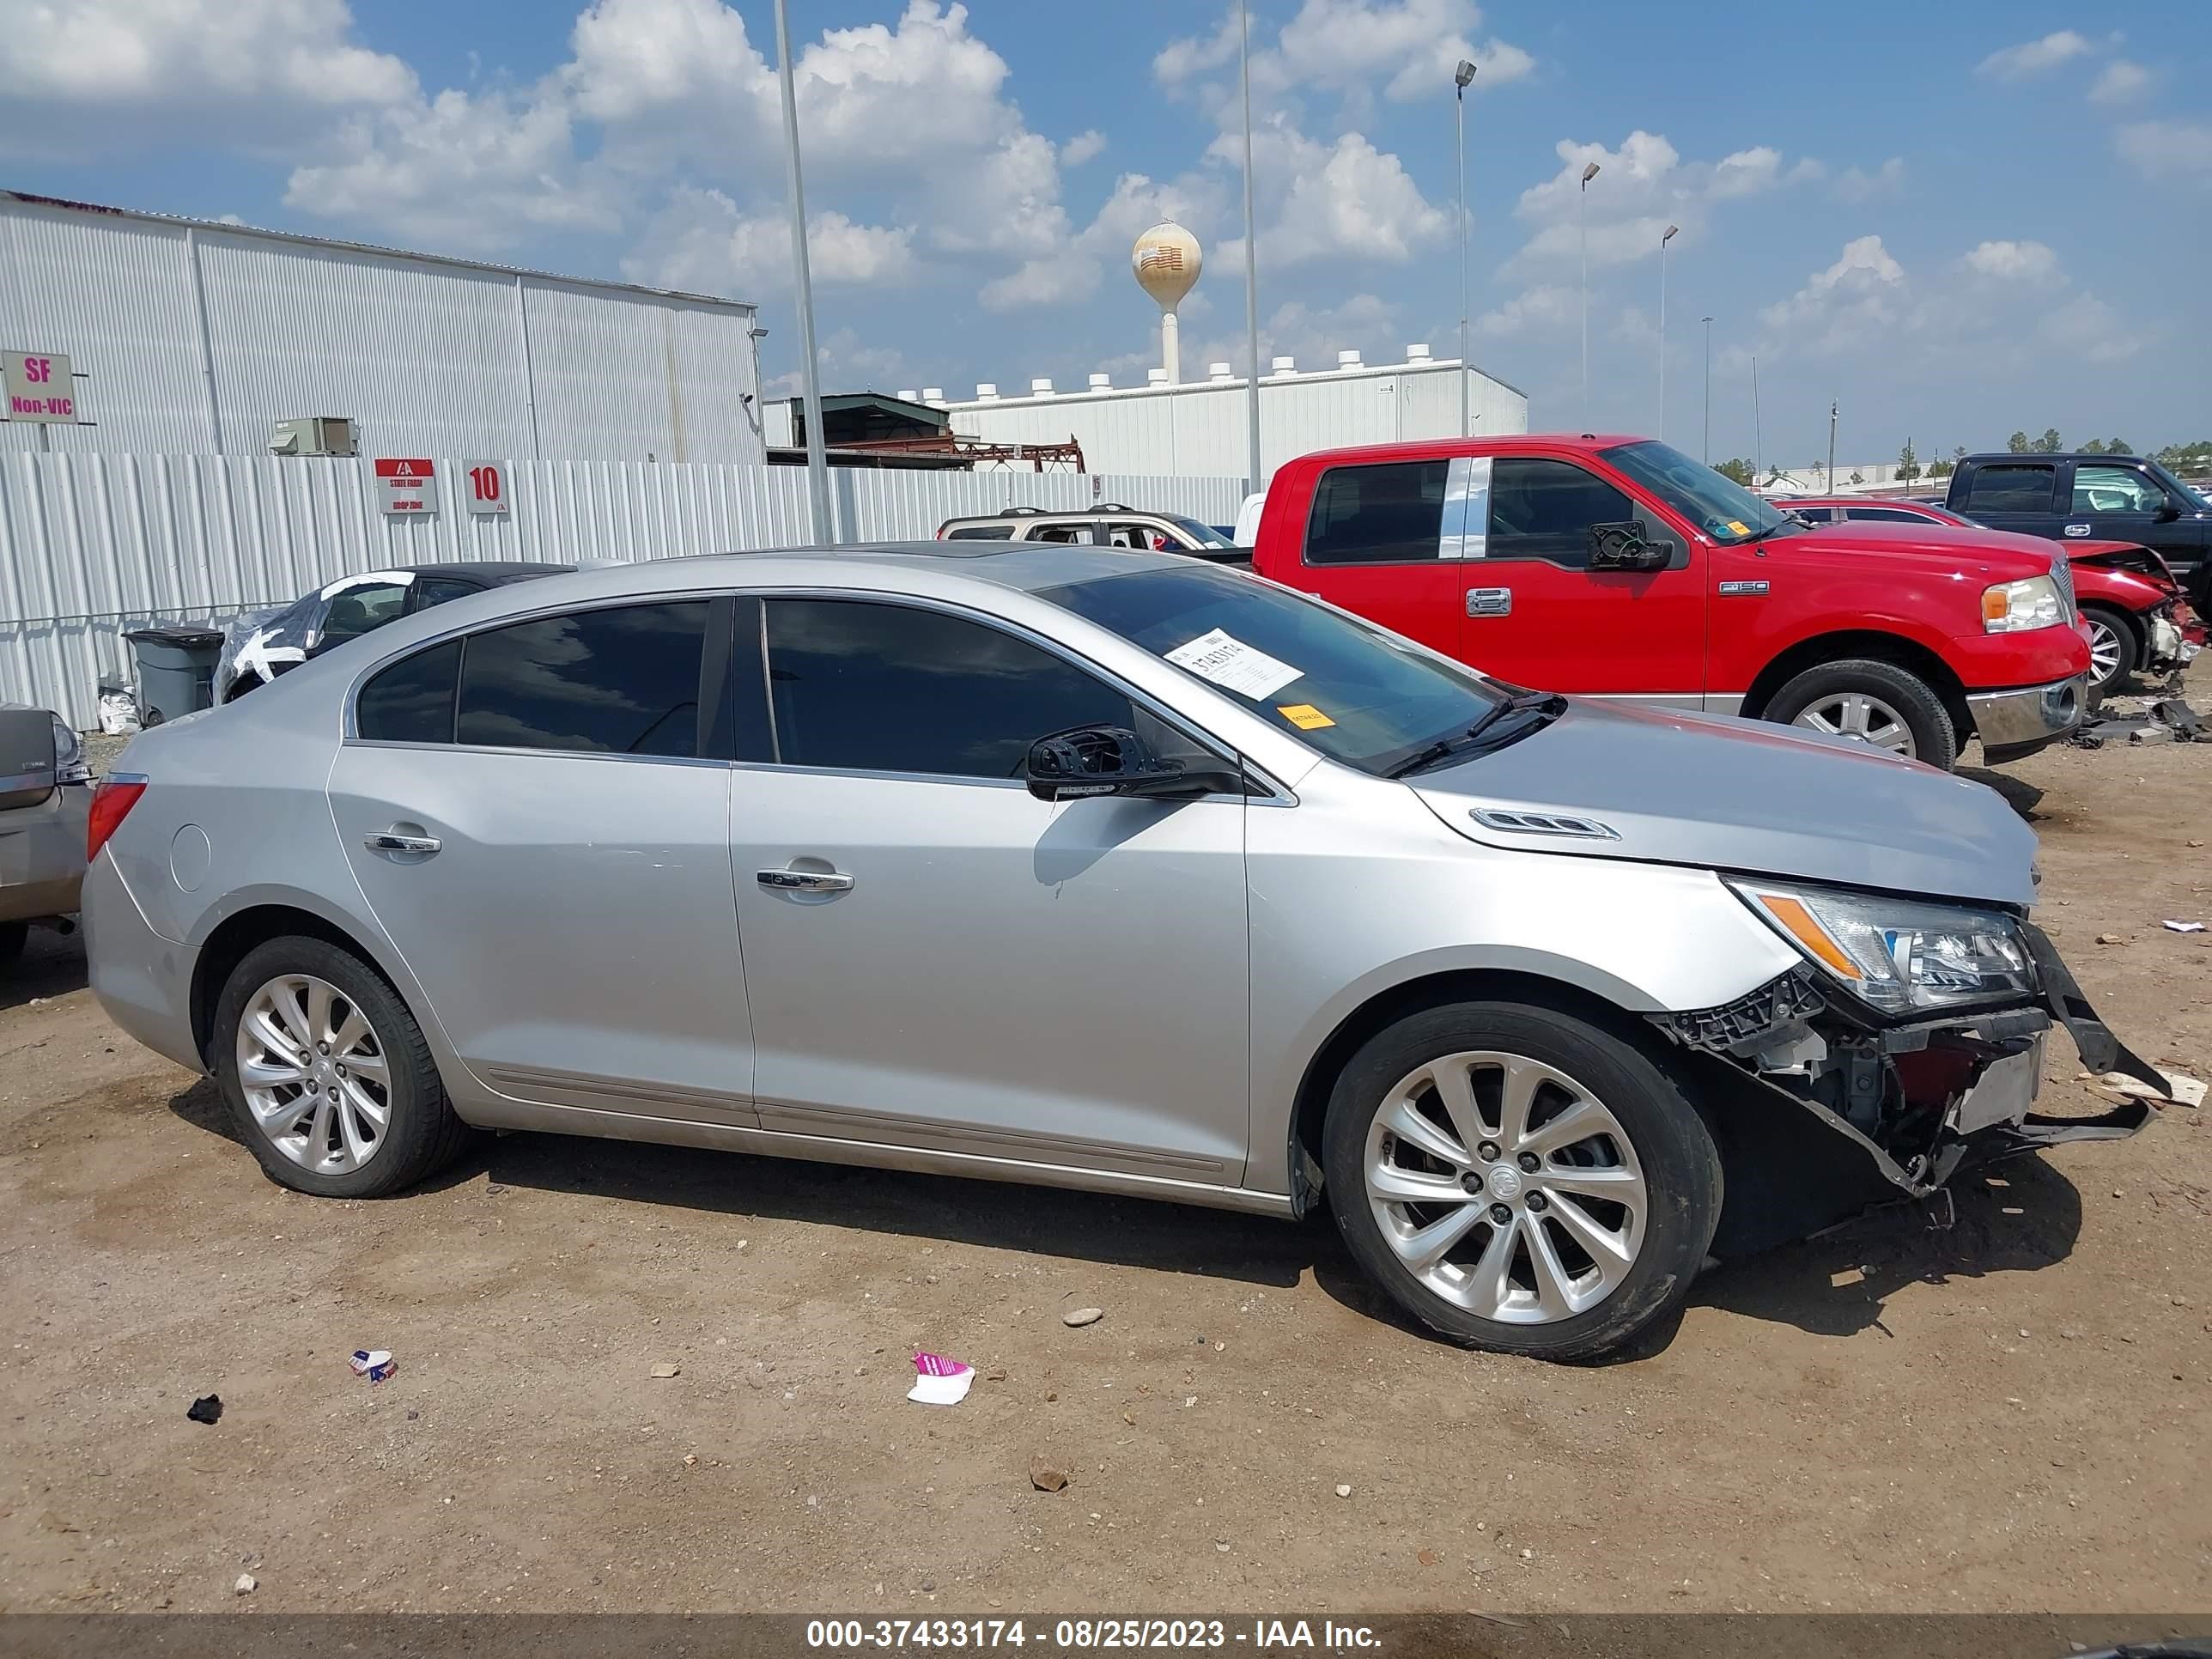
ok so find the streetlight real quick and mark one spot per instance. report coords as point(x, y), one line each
point(1582, 230)
point(818, 459)
point(1708, 391)
point(1460, 78)
point(1672, 231)
point(1251, 243)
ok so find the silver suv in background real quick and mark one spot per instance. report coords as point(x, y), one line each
point(1109, 525)
point(1091, 868)
point(45, 790)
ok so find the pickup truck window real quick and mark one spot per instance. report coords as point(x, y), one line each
point(2114, 490)
point(1391, 513)
point(1543, 509)
point(1713, 502)
point(1358, 695)
point(2012, 487)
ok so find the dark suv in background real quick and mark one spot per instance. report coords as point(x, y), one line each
point(2105, 498)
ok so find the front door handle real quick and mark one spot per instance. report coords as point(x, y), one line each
point(1489, 601)
point(390, 841)
point(805, 881)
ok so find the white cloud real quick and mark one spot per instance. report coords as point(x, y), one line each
point(2013, 262)
point(2033, 57)
point(703, 243)
point(2120, 81)
point(1182, 61)
point(1347, 200)
point(2087, 330)
point(1084, 147)
point(1855, 301)
point(1857, 186)
point(95, 76)
point(1411, 46)
point(2178, 149)
point(1548, 312)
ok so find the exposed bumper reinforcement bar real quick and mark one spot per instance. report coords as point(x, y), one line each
point(2015, 724)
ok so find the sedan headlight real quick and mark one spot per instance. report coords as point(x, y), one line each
point(2016, 607)
point(1895, 955)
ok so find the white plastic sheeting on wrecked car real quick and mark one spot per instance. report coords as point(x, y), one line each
point(262, 644)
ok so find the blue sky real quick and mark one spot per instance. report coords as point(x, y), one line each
point(1956, 219)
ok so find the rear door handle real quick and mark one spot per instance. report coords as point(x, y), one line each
point(390, 841)
point(1489, 601)
point(805, 881)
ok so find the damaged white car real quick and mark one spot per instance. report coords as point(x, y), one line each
point(258, 646)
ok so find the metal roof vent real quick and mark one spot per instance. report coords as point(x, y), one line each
point(1102, 383)
point(906, 395)
point(1347, 359)
point(1040, 388)
point(985, 390)
point(1155, 377)
point(1284, 366)
point(1543, 823)
point(932, 394)
point(1217, 372)
point(1418, 354)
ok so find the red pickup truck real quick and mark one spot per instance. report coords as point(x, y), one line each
point(1617, 566)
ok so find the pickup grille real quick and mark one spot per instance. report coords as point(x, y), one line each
point(2061, 572)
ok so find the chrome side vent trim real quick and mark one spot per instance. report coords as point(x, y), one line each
point(1543, 823)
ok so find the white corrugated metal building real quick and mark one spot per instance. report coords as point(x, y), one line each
point(1198, 428)
point(196, 339)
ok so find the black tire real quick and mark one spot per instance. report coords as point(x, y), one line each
point(422, 1132)
point(12, 937)
point(1680, 1166)
point(2122, 628)
point(1935, 736)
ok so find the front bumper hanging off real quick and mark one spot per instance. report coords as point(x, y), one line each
point(1918, 1098)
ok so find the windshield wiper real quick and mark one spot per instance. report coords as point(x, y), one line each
point(1549, 703)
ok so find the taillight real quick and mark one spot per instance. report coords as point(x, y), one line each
point(112, 802)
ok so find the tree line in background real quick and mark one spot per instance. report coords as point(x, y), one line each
point(2175, 458)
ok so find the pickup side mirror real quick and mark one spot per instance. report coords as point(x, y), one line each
point(28, 766)
point(1112, 760)
point(2165, 513)
point(1625, 547)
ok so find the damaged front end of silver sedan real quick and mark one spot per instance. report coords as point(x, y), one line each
point(1913, 1035)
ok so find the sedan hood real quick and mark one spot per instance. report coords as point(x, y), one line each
point(1707, 790)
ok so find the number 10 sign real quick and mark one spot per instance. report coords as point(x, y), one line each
point(484, 486)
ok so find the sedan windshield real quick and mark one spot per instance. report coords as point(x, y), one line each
point(1356, 693)
point(1712, 501)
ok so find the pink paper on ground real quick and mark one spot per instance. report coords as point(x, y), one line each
point(939, 1381)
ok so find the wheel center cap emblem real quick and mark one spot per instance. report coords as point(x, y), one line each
point(1506, 1180)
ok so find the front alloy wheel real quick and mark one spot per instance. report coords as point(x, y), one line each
point(1859, 715)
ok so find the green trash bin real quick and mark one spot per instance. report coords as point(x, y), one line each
point(176, 670)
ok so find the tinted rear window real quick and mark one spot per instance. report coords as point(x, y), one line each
point(1388, 514)
point(621, 681)
point(412, 700)
point(2005, 487)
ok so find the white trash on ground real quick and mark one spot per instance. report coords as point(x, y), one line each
point(939, 1381)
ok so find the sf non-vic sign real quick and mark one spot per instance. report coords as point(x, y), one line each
point(39, 387)
point(406, 487)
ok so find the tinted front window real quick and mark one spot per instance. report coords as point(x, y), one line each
point(1712, 501)
point(2005, 486)
point(623, 681)
point(1352, 691)
point(1884, 515)
point(1541, 509)
point(890, 688)
point(1390, 514)
point(980, 532)
point(412, 700)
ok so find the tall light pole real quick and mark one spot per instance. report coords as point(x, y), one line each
point(1672, 231)
point(1757, 431)
point(818, 459)
point(1582, 230)
point(1251, 242)
point(1830, 487)
point(1461, 78)
point(1708, 391)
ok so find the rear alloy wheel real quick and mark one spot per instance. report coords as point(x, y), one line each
point(327, 1075)
point(2112, 649)
point(1520, 1180)
point(1870, 702)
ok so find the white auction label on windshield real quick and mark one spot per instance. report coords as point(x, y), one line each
point(1234, 665)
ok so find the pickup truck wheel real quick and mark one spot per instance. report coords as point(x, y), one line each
point(326, 1074)
point(1874, 703)
point(1520, 1180)
point(2113, 648)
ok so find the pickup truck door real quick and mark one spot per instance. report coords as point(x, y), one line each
point(2121, 500)
point(1534, 612)
point(2019, 495)
point(1376, 544)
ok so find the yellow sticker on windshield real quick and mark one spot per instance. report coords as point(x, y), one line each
point(1303, 715)
point(1739, 527)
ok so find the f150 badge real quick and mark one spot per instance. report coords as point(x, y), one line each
point(1742, 590)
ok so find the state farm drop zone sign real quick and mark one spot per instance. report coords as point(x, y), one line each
point(406, 488)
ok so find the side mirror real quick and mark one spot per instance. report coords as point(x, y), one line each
point(1625, 547)
point(2165, 513)
point(28, 765)
point(1112, 760)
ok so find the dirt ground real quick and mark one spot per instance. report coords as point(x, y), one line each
point(2011, 1414)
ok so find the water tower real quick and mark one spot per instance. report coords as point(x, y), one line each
point(1167, 262)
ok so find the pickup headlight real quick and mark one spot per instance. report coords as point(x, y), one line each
point(2016, 607)
point(1895, 955)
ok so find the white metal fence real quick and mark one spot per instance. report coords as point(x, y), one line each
point(91, 544)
